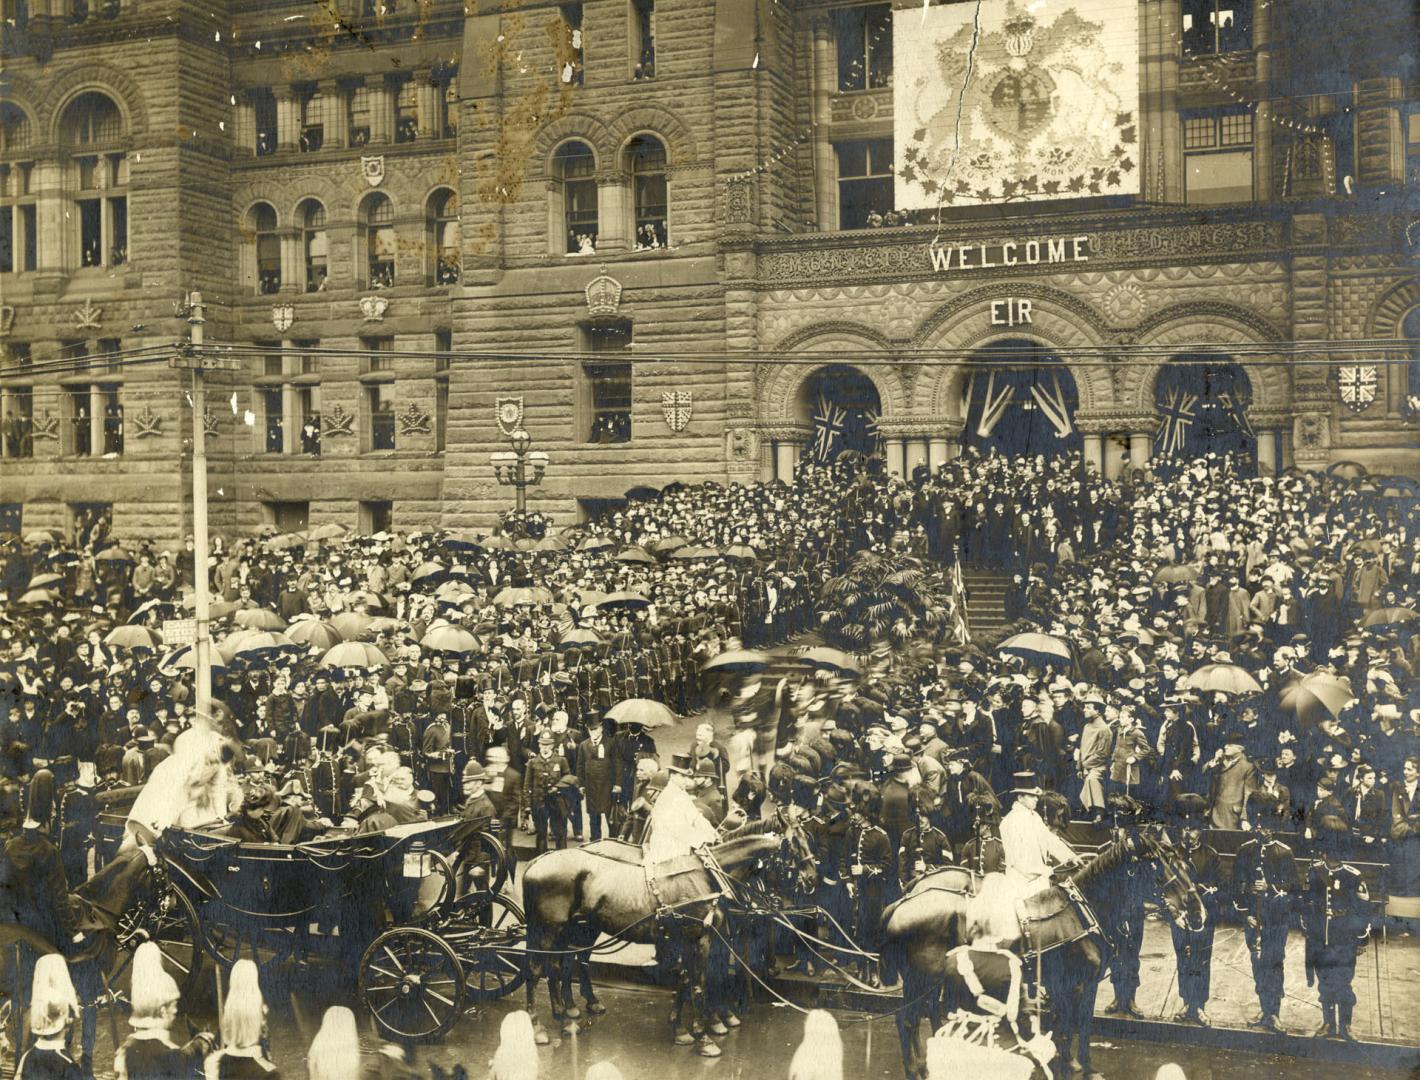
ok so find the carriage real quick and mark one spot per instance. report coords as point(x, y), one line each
point(415, 914)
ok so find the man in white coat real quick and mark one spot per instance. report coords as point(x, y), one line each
point(1031, 851)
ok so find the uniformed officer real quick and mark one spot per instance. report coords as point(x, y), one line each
point(541, 796)
point(1193, 947)
point(436, 749)
point(1336, 919)
point(983, 853)
point(1128, 936)
point(829, 830)
point(1265, 879)
point(871, 876)
point(924, 846)
point(75, 823)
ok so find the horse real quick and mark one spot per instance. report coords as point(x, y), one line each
point(1066, 944)
point(571, 896)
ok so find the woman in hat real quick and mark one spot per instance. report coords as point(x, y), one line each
point(54, 1005)
point(243, 1030)
point(150, 1053)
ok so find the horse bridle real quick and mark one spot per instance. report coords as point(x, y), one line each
point(1170, 877)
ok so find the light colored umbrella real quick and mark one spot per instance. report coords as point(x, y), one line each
point(133, 637)
point(1037, 648)
point(643, 711)
point(1221, 679)
point(37, 537)
point(151, 607)
point(498, 542)
point(116, 553)
point(668, 543)
point(185, 659)
point(351, 624)
point(450, 639)
point(521, 596)
point(314, 633)
point(258, 642)
point(623, 599)
point(426, 571)
point(44, 581)
point(737, 660)
point(743, 552)
point(38, 597)
point(455, 592)
point(688, 554)
point(354, 654)
point(596, 543)
point(635, 554)
point(550, 543)
point(579, 636)
point(1315, 695)
point(259, 619)
point(286, 540)
point(329, 531)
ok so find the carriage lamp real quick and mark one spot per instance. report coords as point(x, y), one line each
point(519, 468)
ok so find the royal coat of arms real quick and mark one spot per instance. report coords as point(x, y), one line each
point(676, 406)
point(508, 411)
point(373, 170)
point(282, 316)
point(1358, 386)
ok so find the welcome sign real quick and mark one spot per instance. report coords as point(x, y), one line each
point(1034, 101)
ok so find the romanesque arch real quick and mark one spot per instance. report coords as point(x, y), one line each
point(1190, 325)
point(778, 385)
point(575, 125)
point(117, 84)
point(662, 123)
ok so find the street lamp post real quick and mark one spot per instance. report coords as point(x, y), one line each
point(520, 469)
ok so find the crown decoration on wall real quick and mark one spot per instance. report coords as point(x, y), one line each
point(338, 422)
point(147, 424)
point(374, 308)
point(46, 427)
point(87, 316)
point(603, 296)
point(209, 424)
point(414, 421)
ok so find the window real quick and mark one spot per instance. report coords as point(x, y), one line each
point(1410, 121)
point(109, 363)
point(287, 516)
point(308, 409)
point(1216, 26)
point(608, 383)
point(17, 415)
point(376, 517)
point(18, 233)
point(575, 166)
point(441, 237)
point(443, 344)
point(273, 419)
point(378, 362)
point(865, 186)
point(377, 229)
point(1217, 155)
point(646, 162)
point(379, 417)
point(311, 215)
point(261, 228)
point(91, 119)
point(76, 353)
point(76, 410)
point(98, 170)
point(643, 38)
point(264, 103)
point(312, 122)
point(361, 107)
point(572, 72)
point(864, 46)
point(406, 112)
point(113, 419)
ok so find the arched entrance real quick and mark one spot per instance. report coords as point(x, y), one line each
point(1019, 399)
point(1202, 404)
point(842, 406)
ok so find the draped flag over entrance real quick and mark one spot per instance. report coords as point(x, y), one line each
point(1020, 399)
point(1051, 401)
point(842, 406)
point(1177, 411)
point(829, 428)
point(1202, 404)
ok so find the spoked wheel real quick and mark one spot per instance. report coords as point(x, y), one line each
point(412, 983)
point(482, 864)
point(489, 936)
point(169, 920)
point(438, 885)
point(268, 948)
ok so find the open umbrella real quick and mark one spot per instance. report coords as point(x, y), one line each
point(163, 608)
point(743, 552)
point(384, 624)
point(455, 592)
point(260, 642)
point(328, 531)
point(431, 573)
point(113, 554)
point(464, 540)
point(259, 619)
point(286, 540)
point(822, 656)
point(365, 599)
point(1037, 648)
point(550, 543)
point(1221, 679)
point(520, 596)
point(687, 554)
point(596, 543)
point(133, 637)
point(37, 537)
point(737, 660)
point(635, 554)
point(351, 624)
point(220, 609)
point(579, 637)
point(498, 542)
point(1173, 575)
point(1316, 695)
point(623, 599)
point(642, 493)
point(643, 711)
point(1390, 616)
point(668, 543)
point(44, 581)
point(266, 528)
point(314, 633)
point(354, 654)
point(38, 597)
point(449, 639)
point(185, 659)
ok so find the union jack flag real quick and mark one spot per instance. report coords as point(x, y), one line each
point(1177, 409)
point(829, 428)
point(1236, 406)
point(871, 430)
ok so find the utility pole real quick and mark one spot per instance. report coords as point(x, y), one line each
point(191, 357)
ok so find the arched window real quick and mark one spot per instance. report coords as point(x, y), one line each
point(441, 236)
point(261, 229)
point(646, 162)
point(311, 215)
point(92, 129)
point(575, 166)
point(19, 234)
point(377, 240)
point(14, 128)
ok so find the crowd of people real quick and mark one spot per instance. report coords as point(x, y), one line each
point(1227, 653)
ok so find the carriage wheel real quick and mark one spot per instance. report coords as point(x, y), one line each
point(169, 920)
point(412, 983)
point(486, 851)
point(438, 886)
point(267, 948)
point(491, 944)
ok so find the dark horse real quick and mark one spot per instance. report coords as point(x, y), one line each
point(572, 896)
point(1066, 947)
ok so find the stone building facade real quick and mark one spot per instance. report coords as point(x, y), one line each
point(630, 215)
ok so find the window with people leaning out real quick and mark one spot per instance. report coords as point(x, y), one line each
point(1216, 26)
point(865, 195)
point(607, 383)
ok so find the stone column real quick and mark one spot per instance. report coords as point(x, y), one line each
point(613, 215)
point(334, 122)
point(288, 118)
point(1112, 448)
point(1262, 118)
point(1094, 452)
point(937, 452)
point(825, 167)
point(1287, 458)
point(1380, 142)
point(293, 269)
point(1267, 453)
point(426, 95)
point(97, 407)
point(56, 245)
point(896, 456)
point(786, 459)
point(290, 419)
point(766, 460)
point(381, 94)
point(1141, 445)
point(244, 126)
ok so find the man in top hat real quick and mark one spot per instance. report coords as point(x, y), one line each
point(1031, 851)
point(595, 774)
point(1336, 921)
point(1193, 947)
point(1265, 879)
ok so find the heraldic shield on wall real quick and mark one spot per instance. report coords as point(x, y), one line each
point(508, 411)
point(1038, 101)
point(676, 406)
point(1358, 385)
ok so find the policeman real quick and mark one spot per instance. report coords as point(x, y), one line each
point(924, 846)
point(1193, 948)
point(1128, 937)
point(75, 823)
point(830, 829)
point(871, 876)
point(1265, 879)
point(437, 751)
point(541, 794)
point(1336, 920)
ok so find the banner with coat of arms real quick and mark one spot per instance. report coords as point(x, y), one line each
point(1029, 101)
point(1358, 384)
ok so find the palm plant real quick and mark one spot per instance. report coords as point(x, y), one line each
point(882, 600)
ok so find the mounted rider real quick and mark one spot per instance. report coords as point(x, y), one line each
point(1032, 852)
